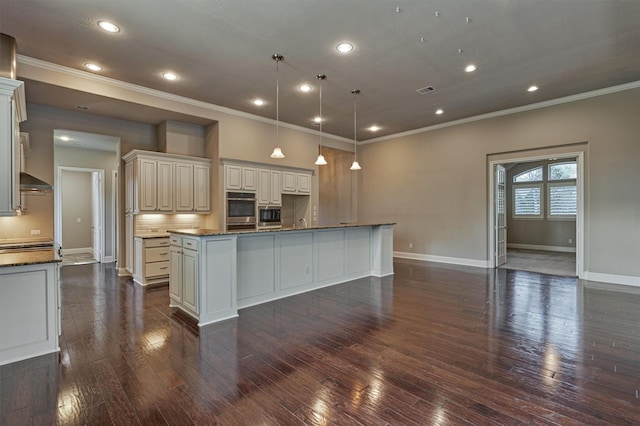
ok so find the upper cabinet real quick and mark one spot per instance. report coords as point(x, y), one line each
point(240, 178)
point(269, 187)
point(296, 183)
point(165, 183)
point(12, 112)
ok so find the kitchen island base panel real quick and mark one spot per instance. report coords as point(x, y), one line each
point(238, 270)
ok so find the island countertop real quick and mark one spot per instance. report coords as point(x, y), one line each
point(198, 232)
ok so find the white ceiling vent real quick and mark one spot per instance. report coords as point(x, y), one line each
point(426, 90)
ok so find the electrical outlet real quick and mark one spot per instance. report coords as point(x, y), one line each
point(35, 232)
point(570, 240)
point(410, 245)
point(78, 220)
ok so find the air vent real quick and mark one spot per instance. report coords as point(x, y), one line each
point(426, 90)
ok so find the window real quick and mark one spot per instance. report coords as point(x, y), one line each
point(563, 171)
point(531, 175)
point(563, 199)
point(527, 202)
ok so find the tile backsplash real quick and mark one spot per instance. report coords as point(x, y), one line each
point(162, 222)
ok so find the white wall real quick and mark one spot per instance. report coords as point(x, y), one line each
point(76, 209)
point(435, 184)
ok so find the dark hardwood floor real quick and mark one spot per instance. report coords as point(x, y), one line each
point(434, 344)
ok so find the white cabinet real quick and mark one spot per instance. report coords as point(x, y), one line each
point(153, 180)
point(12, 112)
point(151, 260)
point(183, 279)
point(193, 187)
point(29, 311)
point(166, 183)
point(129, 229)
point(240, 178)
point(296, 183)
point(269, 187)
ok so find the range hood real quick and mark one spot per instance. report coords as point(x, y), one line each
point(31, 184)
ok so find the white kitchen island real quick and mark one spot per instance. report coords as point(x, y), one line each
point(214, 273)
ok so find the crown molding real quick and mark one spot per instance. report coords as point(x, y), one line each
point(122, 85)
point(538, 105)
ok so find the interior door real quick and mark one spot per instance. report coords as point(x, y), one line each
point(96, 217)
point(501, 216)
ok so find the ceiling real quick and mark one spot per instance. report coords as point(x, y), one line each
point(221, 51)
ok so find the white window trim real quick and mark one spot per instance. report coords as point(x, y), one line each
point(566, 182)
point(539, 185)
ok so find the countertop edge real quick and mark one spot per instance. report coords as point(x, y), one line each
point(217, 232)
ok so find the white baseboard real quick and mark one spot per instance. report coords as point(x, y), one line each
point(612, 278)
point(108, 259)
point(442, 259)
point(77, 250)
point(543, 248)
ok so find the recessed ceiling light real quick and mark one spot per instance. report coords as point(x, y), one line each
point(470, 68)
point(93, 67)
point(170, 76)
point(108, 26)
point(439, 111)
point(317, 119)
point(344, 47)
point(374, 128)
point(532, 89)
point(258, 102)
point(64, 138)
point(304, 88)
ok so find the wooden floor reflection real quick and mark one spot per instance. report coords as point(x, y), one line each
point(435, 344)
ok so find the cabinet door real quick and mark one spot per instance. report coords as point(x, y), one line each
point(264, 186)
point(147, 185)
point(249, 179)
point(276, 187)
point(184, 187)
point(233, 177)
point(175, 273)
point(190, 280)
point(128, 248)
point(202, 188)
point(289, 182)
point(128, 179)
point(165, 186)
point(304, 183)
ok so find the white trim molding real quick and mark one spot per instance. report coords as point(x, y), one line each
point(442, 259)
point(612, 278)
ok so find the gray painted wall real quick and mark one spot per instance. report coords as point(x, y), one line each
point(434, 184)
point(76, 205)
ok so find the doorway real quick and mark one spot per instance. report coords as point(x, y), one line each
point(544, 257)
point(80, 214)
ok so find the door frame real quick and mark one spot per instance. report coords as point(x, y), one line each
point(580, 240)
point(57, 200)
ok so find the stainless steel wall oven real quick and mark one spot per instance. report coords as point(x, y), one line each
point(241, 210)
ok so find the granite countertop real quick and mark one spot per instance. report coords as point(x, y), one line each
point(213, 232)
point(29, 257)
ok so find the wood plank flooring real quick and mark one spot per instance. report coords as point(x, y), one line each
point(433, 345)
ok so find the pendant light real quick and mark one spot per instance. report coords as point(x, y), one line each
point(355, 165)
point(320, 161)
point(277, 152)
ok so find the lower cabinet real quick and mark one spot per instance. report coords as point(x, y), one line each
point(151, 263)
point(183, 278)
point(29, 311)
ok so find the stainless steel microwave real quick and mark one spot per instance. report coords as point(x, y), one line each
point(269, 217)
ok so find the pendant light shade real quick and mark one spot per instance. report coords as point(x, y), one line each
point(320, 161)
point(277, 152)
point(355, 165)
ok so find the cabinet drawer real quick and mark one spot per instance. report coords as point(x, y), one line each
point(156, 242)
point(190, 243)
point(176, 241)
point(156, 254)
point(156, 269)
